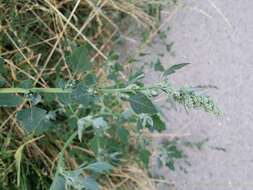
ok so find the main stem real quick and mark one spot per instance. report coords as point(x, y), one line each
point(34, 90)
point(68, 90)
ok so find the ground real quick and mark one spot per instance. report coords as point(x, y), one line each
point(216, 37)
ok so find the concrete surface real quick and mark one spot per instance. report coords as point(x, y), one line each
point(216, 36)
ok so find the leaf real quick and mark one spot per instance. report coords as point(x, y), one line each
point(72, 123)
point(90, 184)
point(2, 68)
point(2, 81)
point(173, 68)
point(58, 183)
point(95, 143)
point(99, 122)
point(136, 76)
point(170, 164)
point(174, 152)
point(81, 95)
point(34, 120)
point(10, 100)
point(158, 124)
point(144, 157)
point(26, 84)
point(82, 123)
point(79, 61)
point(99, 167)
point(123, 134)
point(158, 66)
point(65, 99)
point(142, 104)
point(90, 79)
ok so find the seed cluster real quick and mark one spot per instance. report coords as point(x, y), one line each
point(192, 100)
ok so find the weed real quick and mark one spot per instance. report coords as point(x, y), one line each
point(71, 118)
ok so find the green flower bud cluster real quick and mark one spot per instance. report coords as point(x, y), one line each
point(192, 100)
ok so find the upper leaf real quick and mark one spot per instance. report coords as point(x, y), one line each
point(34, 120)
point(173, 68)
point(142, 104)
point(79, 61)
point(10, 100)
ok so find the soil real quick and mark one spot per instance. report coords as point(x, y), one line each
point(216, 37)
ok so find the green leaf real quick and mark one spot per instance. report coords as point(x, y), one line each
point(95, 144)
point(79, 61)
point(144, 157)
point(173, 68)
point(2, 81)
point(174, 152)
point(123, 134)
point(90, 79)
point(2, 68)
point(34, 120)
point(10, 100)
point(26, 84)
point(158, 124)
point(136, 76)
point(158, 66)
point(170, 164)
point(58, 183)
point(65, 99)
point(90, 184)
point(81, 95)
point(142, 104)
point(99, 167)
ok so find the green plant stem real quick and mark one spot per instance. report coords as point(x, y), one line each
point(35, 90)
point(68, 90)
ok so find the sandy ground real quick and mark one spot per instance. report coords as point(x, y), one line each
point(216, 36)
